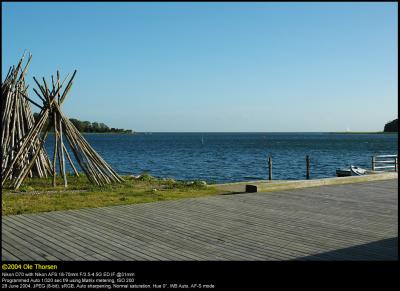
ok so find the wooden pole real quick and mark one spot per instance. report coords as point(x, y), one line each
point(61, 154)
point(26, 170)
point(269, 168)
point(307, 167)
point(373, 163)
point(395, 164)
point(62, 162)
point(55, 150)
point(70, 161)
point(26, 144)
point(17, 124)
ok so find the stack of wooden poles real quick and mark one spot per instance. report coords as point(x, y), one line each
point(17, 120)
point(51, 117)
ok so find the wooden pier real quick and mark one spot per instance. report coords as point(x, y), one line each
point(340, 222)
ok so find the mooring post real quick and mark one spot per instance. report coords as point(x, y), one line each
point(373, 163)
point(269, 168)
point(395, 164)
point(307, 167)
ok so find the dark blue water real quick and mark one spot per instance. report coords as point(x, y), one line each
point(231, 157)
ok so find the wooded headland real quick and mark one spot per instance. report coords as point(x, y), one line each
point(93, 127)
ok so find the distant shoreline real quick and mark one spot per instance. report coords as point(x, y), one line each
point(361, 132)
point(205, 132)
point(124, 133)
point(272, 132)
point(240, 132)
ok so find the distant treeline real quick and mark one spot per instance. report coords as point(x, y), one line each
point(87, 126)
point(391, 126)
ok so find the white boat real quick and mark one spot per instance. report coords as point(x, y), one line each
point(357, 171)
point(352, 171)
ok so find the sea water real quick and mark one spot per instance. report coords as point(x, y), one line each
point(234, 157)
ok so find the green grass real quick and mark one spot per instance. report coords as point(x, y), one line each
point(37, 195)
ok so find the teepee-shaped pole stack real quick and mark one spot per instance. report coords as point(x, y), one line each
point(51, 116)
point(17, 120)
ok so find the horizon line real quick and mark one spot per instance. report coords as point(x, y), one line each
point(134, 131)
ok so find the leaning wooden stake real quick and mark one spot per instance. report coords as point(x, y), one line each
point(17, 120)
point(94, 167)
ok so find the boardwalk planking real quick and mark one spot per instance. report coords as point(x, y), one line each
point(341, 222)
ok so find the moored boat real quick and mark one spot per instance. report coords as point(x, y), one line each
point(343, 172)
point(357, 171)
point(352, 171)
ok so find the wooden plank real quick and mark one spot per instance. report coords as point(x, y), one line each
point(192, 230)
point(220, 232)
point(85, 241)
point(120, 231)
point(33, 249)
point(7, 256)
point(344, 222)
point(203, 235)
point(20, 253)
point(95, 231)
point(386, 156)
point(47, 243)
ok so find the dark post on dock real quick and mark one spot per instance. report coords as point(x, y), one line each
point(307, 167)
point(269, 168)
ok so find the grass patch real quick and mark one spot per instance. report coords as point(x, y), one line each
point(38, 195)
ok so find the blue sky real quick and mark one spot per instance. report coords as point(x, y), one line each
point(215, 66)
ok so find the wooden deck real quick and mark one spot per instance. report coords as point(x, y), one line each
point(344, 222)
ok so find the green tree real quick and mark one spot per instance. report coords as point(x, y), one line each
point(77, 123)
point(104, 128)
point(391, 126)
point(95, 126)
point(86, 126)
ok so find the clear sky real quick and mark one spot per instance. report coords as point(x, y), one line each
point(215, 66)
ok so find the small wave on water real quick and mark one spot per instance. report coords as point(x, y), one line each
point(253, 178)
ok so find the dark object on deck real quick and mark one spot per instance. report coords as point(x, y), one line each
point(251, 188)
point(343, 172)
point(391, 126)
